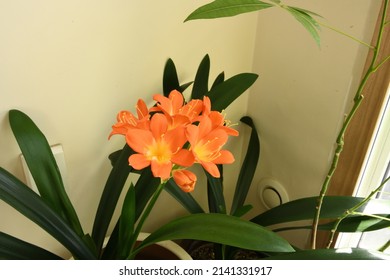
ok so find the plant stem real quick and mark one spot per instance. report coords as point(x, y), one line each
point(143, 218)
point(384, 247)
point(340, 139)
point(352, 210)
point(346, 34)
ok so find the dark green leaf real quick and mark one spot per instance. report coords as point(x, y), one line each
point(243, 210)
point(113, 157)
point(304, 209)
point(110, 196)
point(222, 229)
point(358, 224)
point(185, 199)
point(201, 82)
point(43, 167)
point(227, 8)
point(222, 95)
point(110, 251)
point(218, 80)
point(12, 248)
point(350, 224)
point(183, 87)
point(333, 254)
point(248, 168)
point(170, 78)
point(216, 199)
point(33, 207)
point(127, 221)
point(144, 189)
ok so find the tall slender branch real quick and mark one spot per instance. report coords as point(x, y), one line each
point(340, 138)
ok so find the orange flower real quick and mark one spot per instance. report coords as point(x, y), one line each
point(206, 144)
point(126, 120)
point(185, 179)
point(158, 147)
point(217, 119)
point(176, 111)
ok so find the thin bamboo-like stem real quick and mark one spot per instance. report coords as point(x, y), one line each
point(340, 138)
point(345, 34)
point(385, 246)
point(352, 210)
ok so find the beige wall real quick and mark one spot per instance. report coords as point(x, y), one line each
point(71, 65)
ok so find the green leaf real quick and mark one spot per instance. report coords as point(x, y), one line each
point(127, 221)
point(185, 199)
point(43, 167)
point(145, 187)
point(248, 168)
point(333, 207)
point(216, 199)
point(350, 224)
point(218, 80)
point(222, 229)
point(358, 224)
point(333, 254)
point(33, 207)
point(110, 196)
point(243, 210)
point(201, 82)
point(12, 248)
point(170, 78)
point(222, 95)
point(227, 8)
point(307, 21)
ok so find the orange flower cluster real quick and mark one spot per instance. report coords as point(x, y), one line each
point(159, 135)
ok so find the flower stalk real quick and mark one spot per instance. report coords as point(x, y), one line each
point(340, 138)
point(145, 215)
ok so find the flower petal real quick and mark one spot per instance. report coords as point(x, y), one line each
point(158, 125)
point(139, 139)
point(142, 110)
point(211, 168)
point(138, 161)
point(161, 169)
point(225, 157)
point(177, 100)
point(183, 158)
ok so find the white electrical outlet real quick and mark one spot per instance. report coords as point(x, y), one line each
point(58, 154)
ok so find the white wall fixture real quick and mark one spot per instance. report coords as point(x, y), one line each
point(58, 153)
point(271, 193)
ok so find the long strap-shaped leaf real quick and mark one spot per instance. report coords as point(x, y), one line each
point(110, 196)
point(227, 8)
point(185, 199)
point(171, 80)
point(32, 206)
point(12, 248)
point(223, 229)
point(248, 168)
point(216, 199)
point(201, 81)
point(333, 208)
point(223, 94)
point(333, 254)
point(43, 167)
